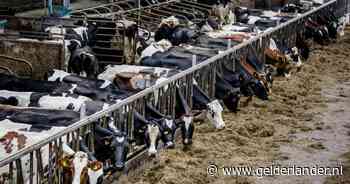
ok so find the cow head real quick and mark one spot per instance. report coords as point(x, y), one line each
point(187, 129)
point(295, 56)
point(214, 114)
point(168, 129)
point(77, 169)
point(95, 172)
point(261, 90)
point(80, 161)
point(73, 166)
point(152, 136)
point(120, 146)
point(117, 144)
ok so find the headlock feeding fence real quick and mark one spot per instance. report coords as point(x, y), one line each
point(44, 169)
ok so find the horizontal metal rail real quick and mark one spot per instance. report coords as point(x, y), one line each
point(20, 60)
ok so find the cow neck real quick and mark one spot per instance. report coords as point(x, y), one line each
point(252, 71)
point(248, 68)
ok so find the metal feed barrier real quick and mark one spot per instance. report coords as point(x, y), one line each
point(148, 15)
point(110, 36)
point(46, 170)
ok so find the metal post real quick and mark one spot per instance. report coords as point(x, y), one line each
point(82, 111)
point(194, 60)
point(229, 44)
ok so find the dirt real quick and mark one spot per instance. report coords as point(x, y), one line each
point(305, 122)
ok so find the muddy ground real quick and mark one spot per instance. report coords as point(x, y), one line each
point(305, 122)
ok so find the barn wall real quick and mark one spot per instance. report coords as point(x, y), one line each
point(43, 56)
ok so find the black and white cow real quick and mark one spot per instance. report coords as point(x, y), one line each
point(161, 74)
point(13, 83)
point(84, 62)
point(113, 145)
point(201, 101)
point(184, 114)
point(38, 118)
point(167, 125)
point(23, 127)
point(181, 59)
point(146, 132)
point(80, 58)
point(99, 84)
point(58, 102)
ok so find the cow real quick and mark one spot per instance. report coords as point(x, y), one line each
point(146, 132)
point(227, 90)
point(105, 86)
point(201, 101)
point(111, 144)
point(167, 125)
point(23, 127)
point(202, 98)
point(13, 83)
point(324, 27)
point(80, 59)
point(37, 118)
point(78, 168)
point(184, 114)
point(181, 58)
point(84, 62)
point(319, 33)
point(302, 45)
point(282, 58)
point(252, 81)
point(58, 102)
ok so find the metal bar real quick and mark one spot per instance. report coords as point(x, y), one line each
point(8, 70)
point(20, 60)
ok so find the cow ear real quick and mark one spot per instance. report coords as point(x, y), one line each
point(72, 46)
